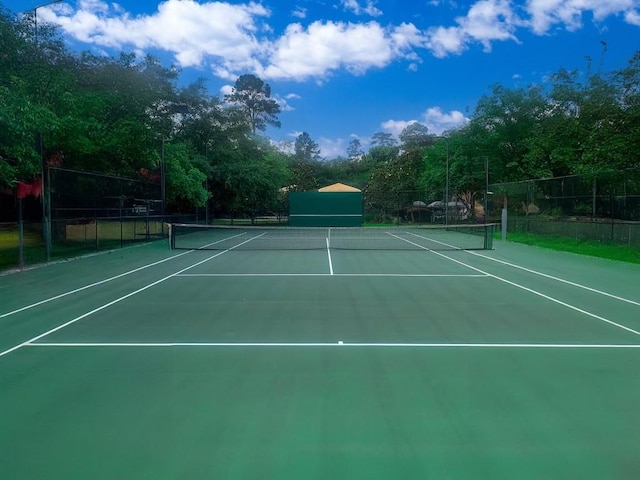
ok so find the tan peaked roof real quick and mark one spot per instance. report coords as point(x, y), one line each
point(339, 187)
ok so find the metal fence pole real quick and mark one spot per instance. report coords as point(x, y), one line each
point(20, 236)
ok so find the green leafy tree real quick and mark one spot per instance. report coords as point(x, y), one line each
point(253, 96)
point(415, 136)
point(249, 180)
point(392, 186)
point(305, 158)
point(185, 182)
point(383, 139)
point(354, 150)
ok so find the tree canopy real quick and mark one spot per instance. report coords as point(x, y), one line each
point(253, 96)
point(126, 114)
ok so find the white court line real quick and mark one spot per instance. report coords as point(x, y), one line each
point(333, 344)
point(250, 275)
point(551, 277)
point(117, 300)
point(530, 290)
point(558, 279)
point(329, 255)
point(95, 284)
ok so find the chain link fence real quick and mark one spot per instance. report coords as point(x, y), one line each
point(80, 212)
point(601, 207)
point(424, 207)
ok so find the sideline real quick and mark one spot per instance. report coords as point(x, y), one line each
point(558, 279)
point(119, 299)
point(522, 287)
point(95, 284)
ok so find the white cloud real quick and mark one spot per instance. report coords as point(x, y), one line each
point(395, 127)
point(299, 12)
point(226, 90)
point(369, 8)
point(234, 38)
point(545, 14)
point(632, 17)
point(332, 148)
point(486, 21)
point(443, 41)
point(285, 106)
point(326, 46)
point(439, 122)
point(436, 121)
point(190, 30)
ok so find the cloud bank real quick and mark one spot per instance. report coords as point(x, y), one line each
point(236, 38)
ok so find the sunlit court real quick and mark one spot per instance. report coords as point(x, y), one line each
point(331, 240)
point(321, 362)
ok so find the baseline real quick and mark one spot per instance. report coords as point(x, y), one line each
point(338, 344)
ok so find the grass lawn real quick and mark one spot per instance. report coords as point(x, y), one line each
point(592, 248)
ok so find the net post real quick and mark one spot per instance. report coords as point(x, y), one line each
point(172, 239)
point(488, 237)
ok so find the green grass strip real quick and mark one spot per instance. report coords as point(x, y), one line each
point(609, 251)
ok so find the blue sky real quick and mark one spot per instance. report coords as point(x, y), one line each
point(344, 69)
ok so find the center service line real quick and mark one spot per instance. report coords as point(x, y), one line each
point(329, 255)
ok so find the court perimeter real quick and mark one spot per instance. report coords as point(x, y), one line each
point(148, 363)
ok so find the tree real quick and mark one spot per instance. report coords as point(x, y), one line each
point(307, 153)
point(383, 139)
point(248, 180)
point(306, 149)
point(185, 182)
point(253, 96)
point(354, 150)
point(415, 136)
point(393, 185)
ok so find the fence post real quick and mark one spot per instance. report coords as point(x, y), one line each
point(504, 218)
point(20, 236)
point(593, 198)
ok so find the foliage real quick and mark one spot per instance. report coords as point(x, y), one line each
point(354, 150)
point(579, 123)
point(254, 98)
point(391, 185)
point(122, 115)
point(415, 136)
point(383, 139)
point(304, 163)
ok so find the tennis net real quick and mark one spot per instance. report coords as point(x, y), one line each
point(441, 237)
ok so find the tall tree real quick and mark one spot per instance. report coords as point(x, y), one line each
point(354, 150)
point(415, 136)
point(253, 96)
point(383, 139)
point(307, 153)
point(306, 148)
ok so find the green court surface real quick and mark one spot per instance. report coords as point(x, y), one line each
point(148, 363)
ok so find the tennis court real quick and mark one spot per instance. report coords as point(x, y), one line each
point(331, 361)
